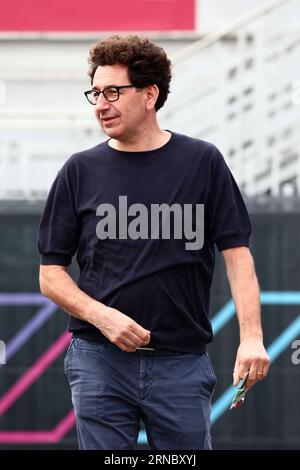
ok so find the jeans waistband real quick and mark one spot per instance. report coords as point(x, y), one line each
point(159, 350)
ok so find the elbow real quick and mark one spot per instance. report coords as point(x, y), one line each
point(43, 289)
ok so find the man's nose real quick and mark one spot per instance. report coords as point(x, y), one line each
point(102, 103)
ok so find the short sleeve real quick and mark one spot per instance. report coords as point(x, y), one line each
point(229, 223)
point(59, 226)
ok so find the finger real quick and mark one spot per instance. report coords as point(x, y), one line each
point(260, 374)
point(136, 339)
point(236, 377)
point(241, 372)
point(126, 345)
point(138, 334)
point(252, 377)
point(147, 339)
point(236, 374)
point(266, 369)
point(142, 333)
point(125, 348)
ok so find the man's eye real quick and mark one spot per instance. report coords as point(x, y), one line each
point(95, 93)
point(112, 92)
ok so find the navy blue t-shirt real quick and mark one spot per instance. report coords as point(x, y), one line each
point(101, 208)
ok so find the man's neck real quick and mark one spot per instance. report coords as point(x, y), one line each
point(150, 141)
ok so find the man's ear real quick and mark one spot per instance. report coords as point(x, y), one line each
point(152, 92)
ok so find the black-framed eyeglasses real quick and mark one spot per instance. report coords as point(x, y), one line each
point(110, 93)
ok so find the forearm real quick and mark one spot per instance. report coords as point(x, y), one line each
point(245, 293)
point(251, 356)
point(58, 286)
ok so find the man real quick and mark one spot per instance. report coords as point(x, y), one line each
point(143, 211)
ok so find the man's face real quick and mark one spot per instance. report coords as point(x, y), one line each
point(125, 118)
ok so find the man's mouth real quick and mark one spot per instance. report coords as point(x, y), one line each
point(108, 119)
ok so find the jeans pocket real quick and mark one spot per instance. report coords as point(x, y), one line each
point(67, 355)
point(87, 345)
point(213, 377)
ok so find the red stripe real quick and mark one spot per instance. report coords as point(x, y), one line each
point(97, 15)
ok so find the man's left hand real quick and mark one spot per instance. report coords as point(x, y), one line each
point(251, 356)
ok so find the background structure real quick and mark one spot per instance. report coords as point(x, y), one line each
point(237, 84)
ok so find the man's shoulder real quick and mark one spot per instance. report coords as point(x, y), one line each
point(91, 152)
point(197, 146)
point(82, 160)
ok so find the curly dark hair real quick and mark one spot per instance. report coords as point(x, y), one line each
point(147, 63)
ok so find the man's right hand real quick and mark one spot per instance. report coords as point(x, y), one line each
point(122, 330)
